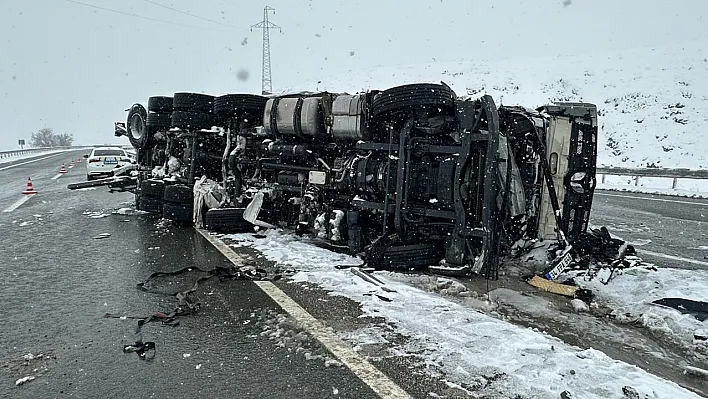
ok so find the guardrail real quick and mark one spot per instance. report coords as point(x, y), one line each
point(12, 153)
point(674, 174)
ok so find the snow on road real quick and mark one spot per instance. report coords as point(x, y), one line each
point(630, 291)
point(472, 351)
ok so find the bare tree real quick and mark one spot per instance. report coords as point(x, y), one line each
point(63, 140)
point(43, 137)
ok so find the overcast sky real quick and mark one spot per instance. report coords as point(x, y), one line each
point(76, 68)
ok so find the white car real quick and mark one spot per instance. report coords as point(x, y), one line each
point(102, 161)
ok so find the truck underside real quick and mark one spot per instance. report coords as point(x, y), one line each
point(407, 178)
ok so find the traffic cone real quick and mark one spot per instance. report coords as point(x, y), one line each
point(30, 188)
point(63, 169)
point(72, 163)
point(78, 160)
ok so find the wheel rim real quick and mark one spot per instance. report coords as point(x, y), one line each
point(136, 127)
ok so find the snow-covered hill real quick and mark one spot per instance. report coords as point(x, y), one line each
point(653, 101)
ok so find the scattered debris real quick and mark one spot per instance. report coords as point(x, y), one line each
point(697, 309)
point(185, 305)
point(560, 289)
point(24, 380)
point(141, 348)
point(371, 279)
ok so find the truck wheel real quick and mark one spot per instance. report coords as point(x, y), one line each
point(181, 213)
point(160, 104)
point(149, 204)
point(159, 120)
point(413, 95)
point(137, 130)
point(192, 120)
point(227, 220)
point(192, 102)
point(179, 194)
point(152, 188)
point(240, 105)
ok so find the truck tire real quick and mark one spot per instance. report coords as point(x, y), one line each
point(227, 220)
point(160, 104)
point(192, 102)
point(240, 105)
point(159, 120)
point(413, 95)
point(181, 213)
point(194, 120)
point(152, 188)
point(136, 127)
point(149, 204)
point(179, 194)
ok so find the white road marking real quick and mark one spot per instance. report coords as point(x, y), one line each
point(672, 257)
point(57, 176)
point(653, 199)
point(19, 202)
point(34, 160)
point(370, 375)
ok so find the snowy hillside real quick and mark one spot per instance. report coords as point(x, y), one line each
point(653, 101)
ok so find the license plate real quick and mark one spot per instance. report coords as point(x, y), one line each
point(110, 160)
point(560, 267)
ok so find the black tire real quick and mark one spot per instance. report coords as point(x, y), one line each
point(181, 213)
point(240, 105)
point(137, 129)
point(160, 104)
point(159, 120)
point(153, 188)
point(150, 204)
point(192, 120)
point(192, 102)
point(227, 220)
point(179, 194)
point(413, 95)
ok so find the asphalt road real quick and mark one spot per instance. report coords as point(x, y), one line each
point(673, 226)
point(58, 282)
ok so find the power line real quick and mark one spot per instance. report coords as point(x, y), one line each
point(190, 14)
point(141, 16)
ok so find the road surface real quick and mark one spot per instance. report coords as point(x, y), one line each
point(667, 231)
point(59, 281)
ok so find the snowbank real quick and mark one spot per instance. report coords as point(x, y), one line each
point(652, 101)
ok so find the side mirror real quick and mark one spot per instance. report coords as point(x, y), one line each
point(85, 155)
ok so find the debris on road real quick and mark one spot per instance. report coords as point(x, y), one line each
point(141, 348)
point(185, 304)
point(568, 290)
point(101, 236)
point(697, 309)
point(24, 380)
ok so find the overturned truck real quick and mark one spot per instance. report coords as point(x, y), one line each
point(409, 177)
